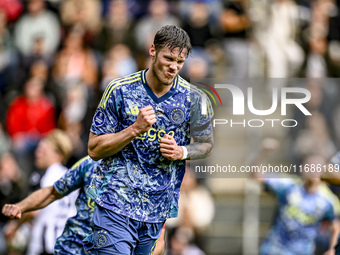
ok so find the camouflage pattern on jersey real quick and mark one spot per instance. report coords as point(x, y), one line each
point(138, 182)
point(79, 226)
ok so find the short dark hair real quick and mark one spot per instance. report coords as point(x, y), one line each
point(172, 37)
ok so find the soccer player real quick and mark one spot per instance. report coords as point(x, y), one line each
point(332, 176)
point(141, 130)
point(302, 205)
point(77, 227)
point(52, 152)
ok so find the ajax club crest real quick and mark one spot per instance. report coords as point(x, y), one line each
point(177, 115)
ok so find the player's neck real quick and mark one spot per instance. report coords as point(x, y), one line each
point(311, 187)
point(157, 87)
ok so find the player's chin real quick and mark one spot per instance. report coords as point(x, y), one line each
point(168, 82)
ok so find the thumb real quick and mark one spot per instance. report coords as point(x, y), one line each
point(18, 216)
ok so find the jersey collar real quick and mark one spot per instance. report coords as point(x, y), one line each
point(150, 92)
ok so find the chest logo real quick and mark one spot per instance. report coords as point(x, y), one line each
point(177, 115)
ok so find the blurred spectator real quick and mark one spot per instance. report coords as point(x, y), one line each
point(319, 128)
point(198, 25)
point(321, 60)
point(71, 118)
point(158, 15)
point(11, 8)
point(118, 62)
point(334, 21)
point(117, 28)
point(52, 152)
point(235, 24)
point(39, 69)
point(284, 54)
point(196, 212)
point(196, 67)
point(75, 62)
point(5, 142)
point(38, 31)
point(320, 36)
point(316, 64)
point(29, 117)
point(85, 14)
point(180, 243)
point(13, 187)
point(7, 57)
point(196, 204)
point(314, 139)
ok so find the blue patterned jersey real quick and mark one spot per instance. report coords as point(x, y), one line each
point(298, 218)
point(336, 159)
point(138, 182)
point(79, 226)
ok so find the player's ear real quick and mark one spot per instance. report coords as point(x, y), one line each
point(152, 51)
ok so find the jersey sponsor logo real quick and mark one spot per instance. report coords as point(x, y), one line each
point(101, 239)
point(177, 115)
point(99, 118)
point(152, 134)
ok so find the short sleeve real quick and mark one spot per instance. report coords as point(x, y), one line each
point(279, 186)
point(105, 119)
point(201, 114)
point(72, 180)
point(330, 214)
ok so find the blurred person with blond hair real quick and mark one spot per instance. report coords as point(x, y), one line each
point(52, 152)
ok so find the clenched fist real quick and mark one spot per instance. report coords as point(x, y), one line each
point(170, 149)
point(11, 211)
point(145, 119)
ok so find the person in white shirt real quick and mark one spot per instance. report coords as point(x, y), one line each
point(51, 153)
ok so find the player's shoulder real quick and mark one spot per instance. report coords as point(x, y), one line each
point(125, 81)
point(283, 181)
point(189, 87)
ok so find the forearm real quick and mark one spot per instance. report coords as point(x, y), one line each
point(335, 228)
point(38, 199)
point(200, 148)
point(102, 146)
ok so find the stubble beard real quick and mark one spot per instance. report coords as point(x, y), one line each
point(158, 74)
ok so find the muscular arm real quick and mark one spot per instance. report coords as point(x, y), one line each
point(37, 200)
point(102, 146)
point(201, 147)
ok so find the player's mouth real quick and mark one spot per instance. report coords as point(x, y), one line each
point(171, 74)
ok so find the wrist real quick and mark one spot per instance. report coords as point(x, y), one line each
point(134, 130)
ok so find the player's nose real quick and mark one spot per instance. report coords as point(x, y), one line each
point(173, 65)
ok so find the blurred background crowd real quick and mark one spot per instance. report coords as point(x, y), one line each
point(57, 56)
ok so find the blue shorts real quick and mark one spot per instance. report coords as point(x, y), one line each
point(117, 234)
